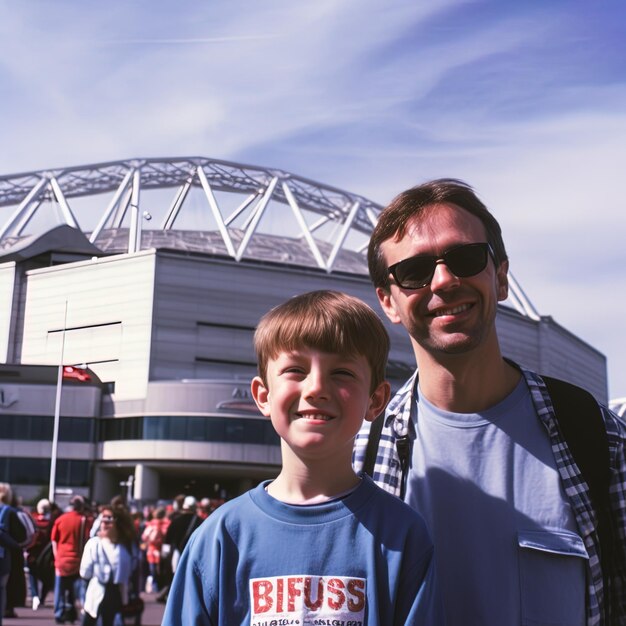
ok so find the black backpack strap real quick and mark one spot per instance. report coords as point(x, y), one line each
point(403, 448)
point(580, 420)
point(372, 445)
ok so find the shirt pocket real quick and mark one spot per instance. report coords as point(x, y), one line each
point(552, 571)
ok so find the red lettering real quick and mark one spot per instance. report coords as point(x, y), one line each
point(280, 593)
point(336, 586)
point(262, 598)
point(308, 600)
point(356, 588)
point(293, 592)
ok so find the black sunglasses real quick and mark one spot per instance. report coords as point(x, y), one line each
point(417, 271)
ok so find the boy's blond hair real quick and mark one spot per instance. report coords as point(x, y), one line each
point(329, 321)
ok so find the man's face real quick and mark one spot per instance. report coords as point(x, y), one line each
point(452, 315)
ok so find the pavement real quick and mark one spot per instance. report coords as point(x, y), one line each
point(44, 616)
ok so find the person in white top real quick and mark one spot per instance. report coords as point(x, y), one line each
point(106, 562)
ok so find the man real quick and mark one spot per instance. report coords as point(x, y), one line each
point(69, 534)
point(204, 508)
point(181, 528)
point(488, 467)
point(12, 534)
point(183, 522)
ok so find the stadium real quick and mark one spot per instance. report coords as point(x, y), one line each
point(129, 295)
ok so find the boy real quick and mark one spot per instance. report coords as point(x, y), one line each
point(319, 544)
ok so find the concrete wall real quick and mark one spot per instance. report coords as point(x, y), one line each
point(142, 321)
point(206, 310)
point(109, 318)
point(546, 347)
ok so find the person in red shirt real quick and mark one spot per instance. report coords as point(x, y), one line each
point(69, 535)
point(153, 536)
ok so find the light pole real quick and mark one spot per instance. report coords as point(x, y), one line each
point(57, 415)
point(129, 486)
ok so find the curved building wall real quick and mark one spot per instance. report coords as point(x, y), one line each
point(548, 348)
point(169, 334)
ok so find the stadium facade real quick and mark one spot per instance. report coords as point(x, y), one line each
point(151, 275)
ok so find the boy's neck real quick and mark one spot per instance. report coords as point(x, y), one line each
point(305, 485)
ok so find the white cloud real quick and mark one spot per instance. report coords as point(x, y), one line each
point(524, 102)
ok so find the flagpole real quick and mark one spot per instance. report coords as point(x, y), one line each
point(57, 415)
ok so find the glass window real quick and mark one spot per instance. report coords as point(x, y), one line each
point(215, 429)
point(76, 429)
point(154, 428)
point(29, 471)
point(42, 427)
point(178, 427)
point(196, 430)
point(189, 428)
point(271, 437)
point(73, 473)
point(22, 426)
point(235, 432)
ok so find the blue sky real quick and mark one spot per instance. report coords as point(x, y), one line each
point(526, 101)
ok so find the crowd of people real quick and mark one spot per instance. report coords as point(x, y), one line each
point(94, 560)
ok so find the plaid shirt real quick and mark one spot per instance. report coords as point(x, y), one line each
point(401, 419)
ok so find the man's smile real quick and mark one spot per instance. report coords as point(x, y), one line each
point(461, 308)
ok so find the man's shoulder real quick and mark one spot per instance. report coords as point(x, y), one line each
point(181, 522)
point(389, 508)
point(396, 525)
point(404, 392)
point(60, 521)
point(7, 510)
point(8, 513)
point(73, 518)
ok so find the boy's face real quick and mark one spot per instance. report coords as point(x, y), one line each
point(317, 401)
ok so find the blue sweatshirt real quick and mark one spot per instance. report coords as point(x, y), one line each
point(363, 560)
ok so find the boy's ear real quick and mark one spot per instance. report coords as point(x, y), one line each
point(261, 395)
point(378, 401)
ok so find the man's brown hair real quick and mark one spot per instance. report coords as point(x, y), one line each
point(415, 202)
point(329, 321)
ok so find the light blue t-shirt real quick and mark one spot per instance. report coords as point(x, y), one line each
point(507, 546)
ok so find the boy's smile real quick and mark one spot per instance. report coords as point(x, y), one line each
point(317, 401)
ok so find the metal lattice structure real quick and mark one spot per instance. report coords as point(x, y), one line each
point(327, 221)
point(619, 406)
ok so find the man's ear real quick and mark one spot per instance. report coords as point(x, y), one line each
point(388, 304)
point(502, 281)
point(378, 401)
point(261, 395)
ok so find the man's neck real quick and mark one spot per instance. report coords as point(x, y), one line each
point(466, 383)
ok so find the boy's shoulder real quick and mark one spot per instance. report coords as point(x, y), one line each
point(232, 513)
point(370, 503)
